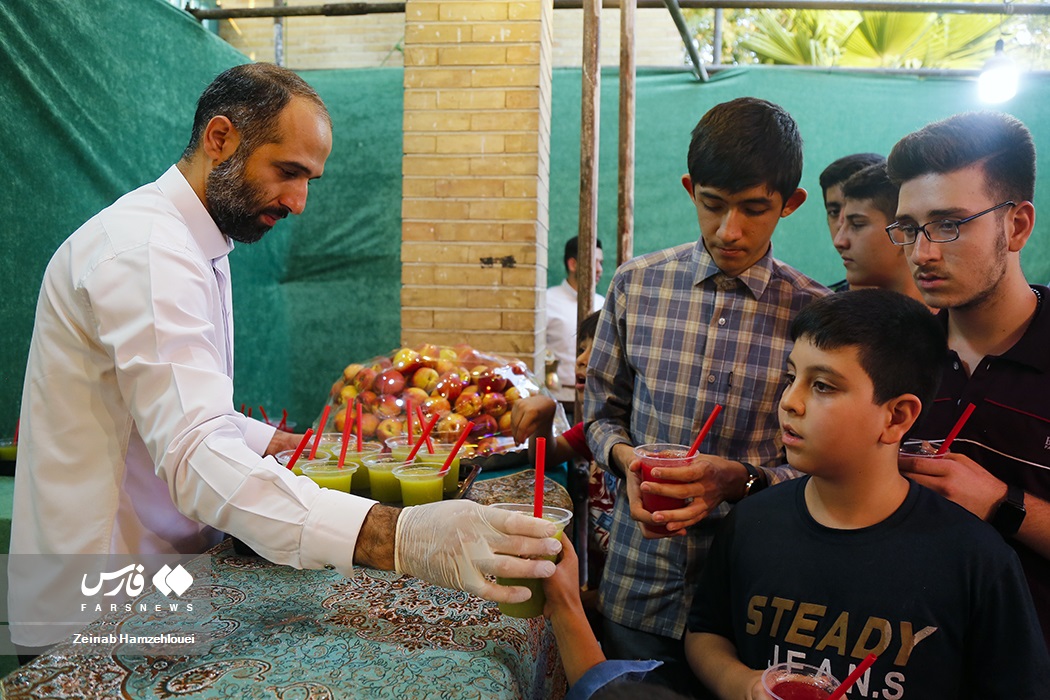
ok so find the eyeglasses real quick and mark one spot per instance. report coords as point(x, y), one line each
point(940, 231)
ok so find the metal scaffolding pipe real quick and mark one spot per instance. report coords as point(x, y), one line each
point(687, 39)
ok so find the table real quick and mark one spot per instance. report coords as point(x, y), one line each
point(272, 631)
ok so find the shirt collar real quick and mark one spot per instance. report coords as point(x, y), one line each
point(755, 278)
point(567, 288)
point(201, 226)
point(1031, 348)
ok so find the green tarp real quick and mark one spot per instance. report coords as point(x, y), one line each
point(97, 96)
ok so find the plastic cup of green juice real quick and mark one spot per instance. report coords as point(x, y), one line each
point(420, 483)
point(532, 607)
point(368, 449)
point(385, 486)
point(441, 451)
point(8, 450)
point(284, 457)
point(400, 446)
point(330, 475)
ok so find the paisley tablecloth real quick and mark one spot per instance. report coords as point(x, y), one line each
point(279, 633)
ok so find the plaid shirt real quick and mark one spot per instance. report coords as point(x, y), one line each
point(677, 336)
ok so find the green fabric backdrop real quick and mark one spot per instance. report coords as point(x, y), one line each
point(98, 96)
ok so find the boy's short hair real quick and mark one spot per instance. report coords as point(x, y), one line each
point(588, 328)
point(900, 344)
point(842, 169)
point(1000, 143)
point(744, 143)
point(572, 249)
point(873, 184)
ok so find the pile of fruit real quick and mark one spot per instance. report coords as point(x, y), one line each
point(458, 384)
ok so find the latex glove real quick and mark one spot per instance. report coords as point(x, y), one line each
point(457, 543)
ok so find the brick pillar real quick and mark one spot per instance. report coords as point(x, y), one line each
point(476, 174)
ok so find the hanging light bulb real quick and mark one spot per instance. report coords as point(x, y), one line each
point(998, 80)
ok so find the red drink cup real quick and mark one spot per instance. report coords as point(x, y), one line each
point(661, 455)
point(792, 680)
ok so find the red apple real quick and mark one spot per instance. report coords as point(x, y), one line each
point(494, 404)
point(476, 371)
point(436, 406)
point(389, 406)
point(518, 367)
point(513, 393)
point(484, 425)
point(449, 386)
point(364, 378)
point(340, 420)
point(504, 423)
point(425, 378)
point(490, 381)
point(367, 399)
point(369, 423)
point(351, 371)
point(391, 427)
point(444, 366)
point(415, 395)
point(468, 405)
point(337, 387)
point(429, 351)
point(389, 381)
point(470, 390)
point(406, 361)
point(382, 363)
point(449, 427)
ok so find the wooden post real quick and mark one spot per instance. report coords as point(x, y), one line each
point(625, 203)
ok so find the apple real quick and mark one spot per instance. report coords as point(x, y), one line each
point(504, 423)
point(436, 406)
point(449, 427)
point(429, 351)
point(468, 405)
point(369, 423)
point(448, 354)
point(518, 367)
point(444, 366)
point(348, 394)
point(415, 396)
point(367, 399)
point(477, 371)
point(470, 390)
point(389, 381)
point(484, 425)
point(490, 382)
point(513, 393)
point(382, 363)
point(494, 404)
point(337, 387)
point(364, 378)
point(389, 406)
point(464, 352)
point(351, 371)
point(449, 386)
point(487, 446)
point(340, 420)
point(425, 378)
point(388, 428)
point(406, 361)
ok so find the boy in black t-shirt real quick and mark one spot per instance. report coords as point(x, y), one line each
point(854, 558)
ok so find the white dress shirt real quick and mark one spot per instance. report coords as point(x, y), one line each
point(129, 439)
point(561, 334)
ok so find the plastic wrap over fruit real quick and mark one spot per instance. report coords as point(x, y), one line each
point(458, 384)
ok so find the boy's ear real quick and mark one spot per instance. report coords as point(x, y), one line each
point(903, 411)
point(793, 202)
point(687, 183)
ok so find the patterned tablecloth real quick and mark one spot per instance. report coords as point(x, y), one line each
point(280, 633)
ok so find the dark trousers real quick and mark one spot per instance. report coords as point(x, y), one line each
point(621, 642)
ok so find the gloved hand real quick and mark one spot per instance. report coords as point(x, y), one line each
point(456, 543)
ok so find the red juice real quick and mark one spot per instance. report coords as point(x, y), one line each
point(661, 456)
point(799, 690)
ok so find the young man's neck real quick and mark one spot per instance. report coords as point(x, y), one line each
point(570, 279)
point(994, 325)
point(861, 498)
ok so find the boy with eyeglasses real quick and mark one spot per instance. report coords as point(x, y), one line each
point(964, 215)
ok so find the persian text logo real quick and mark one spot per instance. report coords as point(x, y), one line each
point(129, 578)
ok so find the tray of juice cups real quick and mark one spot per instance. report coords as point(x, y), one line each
point(792, 680)
point(533, 607)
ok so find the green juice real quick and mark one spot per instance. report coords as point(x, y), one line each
point(385, 486)
point(330, 476)
point(419, 484)
point(533, 607)
point(451, 482)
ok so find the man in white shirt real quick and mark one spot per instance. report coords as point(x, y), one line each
point(561, 318)
point(130, 441)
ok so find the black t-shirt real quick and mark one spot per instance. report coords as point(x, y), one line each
point(934, 592)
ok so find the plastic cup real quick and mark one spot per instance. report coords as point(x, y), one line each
point(385, 486)
point(533, 607)
point(441, 451)
point(792, 680)
point(284, 457)
point(368, 449)
point(8, 450)
point(919, 448)
point(661, 455)
point(329, 475)
point(400, 446)
point(420, 483)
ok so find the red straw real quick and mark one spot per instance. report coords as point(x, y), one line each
point(249, 411)
point(422, 421)
point(955, 430)
point(284, 419)
point(422, 438)
point(300, 448)
point(408, 416)
point(242, 408)
point(537, 497)
point(455, 449)
point(263, 412)
point(320, 429)
point(853, 677)
point(19, 423)
point(704, 430)
point(358, 427)
point(346, 436)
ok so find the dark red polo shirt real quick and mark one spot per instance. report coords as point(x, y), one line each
point(1009, 431)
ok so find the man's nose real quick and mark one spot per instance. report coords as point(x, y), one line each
point(923, 250)
point(294, 197)
point(840, 240)
point(731, 228)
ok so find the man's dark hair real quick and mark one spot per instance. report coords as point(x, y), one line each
point(873, 184)
point(900, 344)
point(1000, 143)
point(744, 143)
point(588, 328)
point(251, 96)
point(842, 169)
point(572, 249)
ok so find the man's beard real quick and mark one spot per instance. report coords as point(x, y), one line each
point(237, 204)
